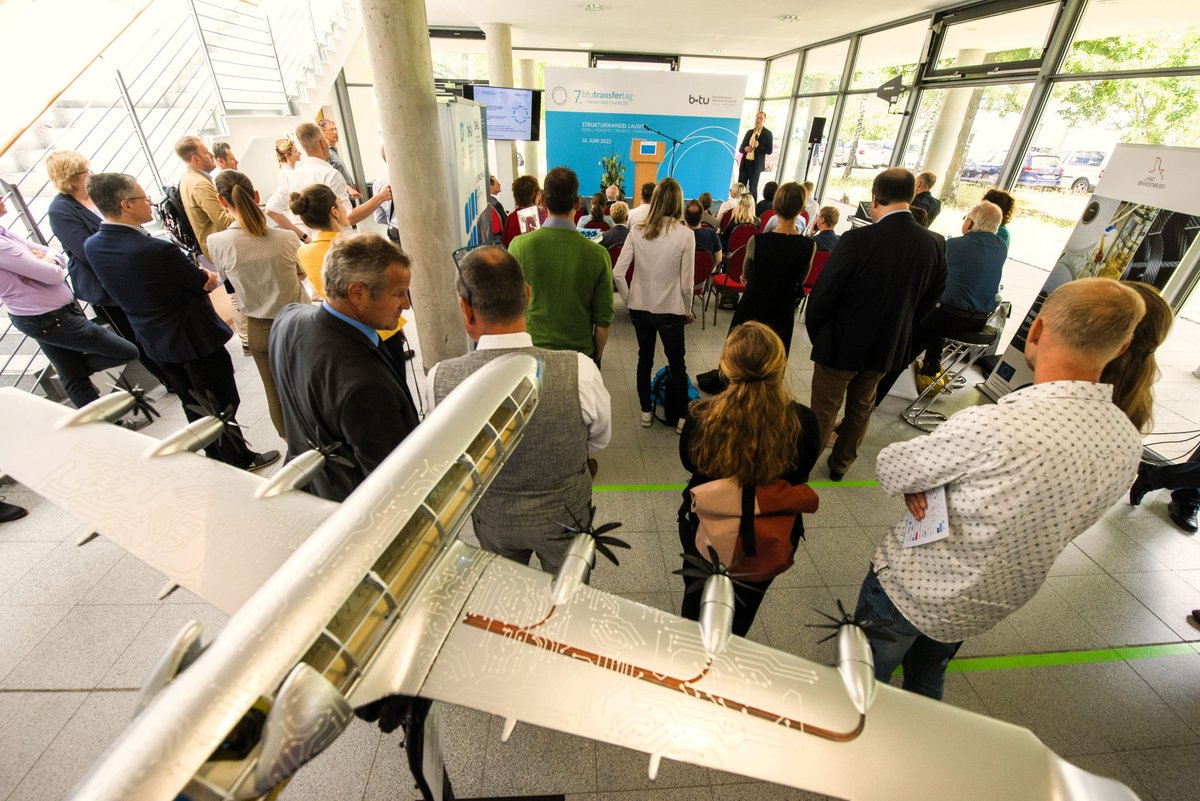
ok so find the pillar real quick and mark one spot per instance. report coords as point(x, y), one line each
point(500, 73)
point(530, 149)
point(398, 44)
point(950, 120)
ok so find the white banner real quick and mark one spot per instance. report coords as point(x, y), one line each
point(672, 94)
point(1140, 225)
point(465, 152)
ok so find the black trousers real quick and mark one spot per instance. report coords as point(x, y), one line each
point(650, 327)
point(1183, 479)
point(748, 173)
point(929, 336)
point(211, 373)
point(748, 598)
point(116, 318)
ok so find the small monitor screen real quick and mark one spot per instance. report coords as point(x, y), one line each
point(649, 148)
point(512, 114)
point(864, 210)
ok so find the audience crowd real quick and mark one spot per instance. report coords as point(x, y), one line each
point(319, 307)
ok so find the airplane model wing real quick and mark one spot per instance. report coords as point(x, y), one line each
point(382, 599)
point(196, 520)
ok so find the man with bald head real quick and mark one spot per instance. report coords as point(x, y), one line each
point(546, 480)
point(1023, 477)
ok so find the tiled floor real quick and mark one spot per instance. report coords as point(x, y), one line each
point(80, 626)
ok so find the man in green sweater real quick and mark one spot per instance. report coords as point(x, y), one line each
point(571, 276)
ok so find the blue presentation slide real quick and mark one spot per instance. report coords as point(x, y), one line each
point(703, 160)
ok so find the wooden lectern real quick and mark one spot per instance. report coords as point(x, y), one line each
point(646, 155)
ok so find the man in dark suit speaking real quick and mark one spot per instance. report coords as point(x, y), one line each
point(757, 144)
point(878, 283)
point(165, 296)
point(336, 384)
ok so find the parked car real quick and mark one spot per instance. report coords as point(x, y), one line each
point(1082, 169)
point(1039, 169)
point(868, 154)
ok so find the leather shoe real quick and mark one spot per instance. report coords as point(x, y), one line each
point(1183, 516)
point(834, 475)
point(10, 512)
point(261, 460)
point(1141, 484)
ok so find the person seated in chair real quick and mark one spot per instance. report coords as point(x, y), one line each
point(825, 238)
point(620, 229)
point(768, 197)
point(706, 238)
point(974, 264)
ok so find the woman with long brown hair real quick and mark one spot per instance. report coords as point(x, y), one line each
point(261, 263)
point(755, 433)
point(1134, 372)
point(659, 297)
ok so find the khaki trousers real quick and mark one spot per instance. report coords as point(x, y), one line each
point(857, 388)
point(258, 331)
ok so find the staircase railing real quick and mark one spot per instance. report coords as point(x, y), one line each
point(178, 67)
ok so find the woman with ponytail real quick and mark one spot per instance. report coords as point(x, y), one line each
point(754, 433)
point(1134, 372)
point(261, 263)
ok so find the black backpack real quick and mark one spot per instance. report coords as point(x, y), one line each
point(170, 212)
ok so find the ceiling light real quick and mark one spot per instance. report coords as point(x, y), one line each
point(593, 7)
point(790, 18)
point(588, 45)
point(715, 51)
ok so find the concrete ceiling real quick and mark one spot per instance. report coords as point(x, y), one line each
point(749, 28)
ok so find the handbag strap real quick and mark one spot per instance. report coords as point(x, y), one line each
point(746, 525)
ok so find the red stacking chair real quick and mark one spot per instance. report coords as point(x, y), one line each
point(728, 277)
point(614, 253)
point(814, 272)
point(763, 219)
point(596, 225)
point(700, 279)
point(725, 219)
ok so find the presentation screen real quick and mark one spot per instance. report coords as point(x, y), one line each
point(512, 114)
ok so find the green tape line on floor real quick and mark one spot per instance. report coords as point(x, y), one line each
point(1018, 661)
point(679, 487)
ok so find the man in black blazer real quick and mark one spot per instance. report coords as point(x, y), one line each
point(878, 283)
point(335, 381)
point(757, 144)
point(165, 296)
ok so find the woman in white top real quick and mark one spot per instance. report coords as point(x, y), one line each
point(286, 156)
point(659, 297)
point(261, 263)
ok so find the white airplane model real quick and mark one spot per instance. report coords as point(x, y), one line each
point(335, 607)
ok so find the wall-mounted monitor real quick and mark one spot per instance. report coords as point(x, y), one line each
point(512, 114)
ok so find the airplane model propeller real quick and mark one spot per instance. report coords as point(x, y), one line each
point(603, 544)
point(140, 403)
point(700, 569)
point(874, 629)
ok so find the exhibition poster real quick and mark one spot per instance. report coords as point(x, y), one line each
point(465, 151)
point(1140, 225)
point(593, 116)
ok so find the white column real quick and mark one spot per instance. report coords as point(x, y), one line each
point(530, 149)
point(950, 120)
point(500, 73)
point(398, 44)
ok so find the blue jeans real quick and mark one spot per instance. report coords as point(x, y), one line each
point(77, 347)
point(924, 659)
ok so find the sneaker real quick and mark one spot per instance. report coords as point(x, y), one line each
point(261, 460)
point(133, 423)
point(10, 512)
point(679, 426)
point(647, 419)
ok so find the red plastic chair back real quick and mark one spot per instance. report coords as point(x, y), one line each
point(614, 253)
point(814, 272)
point(596, 225)
point(763, 219)
point(740, 235)
point(735, 264)
point(725, 219)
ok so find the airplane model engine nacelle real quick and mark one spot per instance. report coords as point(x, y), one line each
point(196, 435)
point(716, 613)
point(293, 475)
point(102, 410)
point(576, 569)
point(856, 666)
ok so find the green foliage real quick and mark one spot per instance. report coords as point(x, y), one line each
point(613, 172)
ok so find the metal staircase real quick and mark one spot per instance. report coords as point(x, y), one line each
point(219, 68)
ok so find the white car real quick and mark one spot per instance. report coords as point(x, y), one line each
point(1081, 169)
